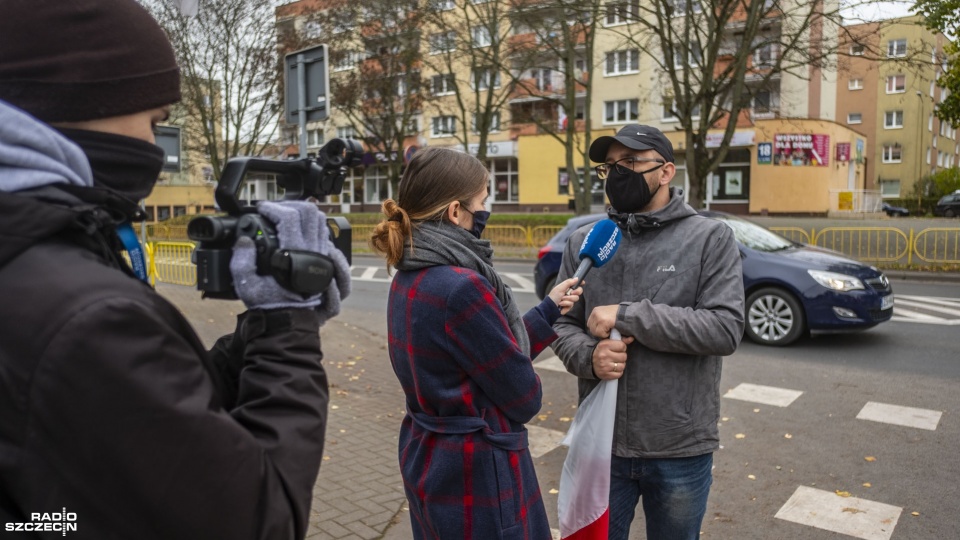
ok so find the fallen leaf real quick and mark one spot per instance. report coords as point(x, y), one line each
point(842, 493)
point(740, 436)
point(787, 436)
point(564, 419)
point(756, 410)
point(725, 418)
point(779, 467)
point(870, 459)
point(334, 406)
point(326, 458)
point(867, 484)
point(914, 513)
point(554, 491)
point(854, 510)
point(542, 417)
point(752, 477)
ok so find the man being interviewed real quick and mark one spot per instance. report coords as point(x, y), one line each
point(675, 293)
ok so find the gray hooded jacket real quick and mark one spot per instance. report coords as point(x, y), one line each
point(677, 279)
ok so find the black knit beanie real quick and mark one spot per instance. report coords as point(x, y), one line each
point(74, 60)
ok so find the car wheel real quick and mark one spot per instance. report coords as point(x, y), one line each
point(948, 212)
point(774, 317)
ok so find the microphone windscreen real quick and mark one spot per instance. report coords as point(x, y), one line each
point(601, 242)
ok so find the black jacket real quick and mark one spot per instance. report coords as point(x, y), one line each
point(111, 408)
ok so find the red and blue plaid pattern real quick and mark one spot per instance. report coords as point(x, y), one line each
point(469, 389)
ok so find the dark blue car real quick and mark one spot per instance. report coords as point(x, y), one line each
point(792, 289)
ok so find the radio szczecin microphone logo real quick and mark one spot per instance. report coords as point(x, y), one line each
point(61, 521)
point(597, 248)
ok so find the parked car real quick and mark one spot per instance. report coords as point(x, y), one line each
point(894, 211)
point(792, 289)
point(948, 205)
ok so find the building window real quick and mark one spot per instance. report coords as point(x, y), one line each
point(494, 123)
point(856, 50)
point(855, 118)
point(443, 5)
point(621, 111)
point(764, 102)
point(504, 172)
point(678, 8)
point(766, 55)
point(890, 188)
point(413, 126)
point(486, 78)
point(376, 184)
point(669, 112)
point(928, 155)
point(693, 59)
point(855, 84)
point(481, 36)
point(930, 123)
point(315, 137)
point(346, 132)
point(622, 62)
point(893, 119)
point(896, 48)
point(445, 84)
point(892, 153)
point(443, 42)
point(543, 79)
point(348, 61)
point(444, 126)
point(622, 12)
point(896, 84)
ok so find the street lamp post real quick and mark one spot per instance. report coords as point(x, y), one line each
point(920, 153)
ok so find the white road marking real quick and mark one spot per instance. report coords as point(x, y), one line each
point(552, 363)
point(525, 285)
point(936, 307)
point(954, 302)
point(767, 395)
point(925, 310)
point(543, 440)
point(900, 416)
point(852, 516)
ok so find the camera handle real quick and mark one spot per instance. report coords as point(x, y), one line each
point(236, 170)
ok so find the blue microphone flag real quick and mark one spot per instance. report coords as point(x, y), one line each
point(601, 242)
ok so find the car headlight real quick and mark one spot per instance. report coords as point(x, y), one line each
point(834, 281)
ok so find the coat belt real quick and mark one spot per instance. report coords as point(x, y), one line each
point(463, 425)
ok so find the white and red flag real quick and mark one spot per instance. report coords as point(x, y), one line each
point(585, 480)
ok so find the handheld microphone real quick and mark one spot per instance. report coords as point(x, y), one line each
point(597, 248)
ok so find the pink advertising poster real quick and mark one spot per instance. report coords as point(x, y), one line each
point(799, 149)
point(843, 151)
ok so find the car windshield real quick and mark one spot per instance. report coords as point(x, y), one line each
point(754, 236)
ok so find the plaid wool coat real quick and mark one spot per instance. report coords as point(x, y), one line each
point(469, 390)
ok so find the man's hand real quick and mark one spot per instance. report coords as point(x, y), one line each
point(610, 358)
point(602, 320)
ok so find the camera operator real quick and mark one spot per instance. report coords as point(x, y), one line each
point(110, 407)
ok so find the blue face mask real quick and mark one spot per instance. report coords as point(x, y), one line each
point(479, 221)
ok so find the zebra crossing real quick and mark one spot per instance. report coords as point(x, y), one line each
point(520, 283)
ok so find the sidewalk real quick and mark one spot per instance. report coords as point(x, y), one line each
point(359, 491)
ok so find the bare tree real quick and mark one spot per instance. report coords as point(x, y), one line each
point(552, 69)
point(471, 45)
point(230, 72)
point(721, 61)
point(382, 96)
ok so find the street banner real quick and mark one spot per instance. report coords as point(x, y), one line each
point(801, 149)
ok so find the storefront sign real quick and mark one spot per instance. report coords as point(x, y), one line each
point(739, 138)
point(764, 153)
point(800, 149)
point(496, 149)
point(843, 152)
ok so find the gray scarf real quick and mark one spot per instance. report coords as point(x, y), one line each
point(444, 244)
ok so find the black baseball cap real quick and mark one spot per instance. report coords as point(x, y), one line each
point(635, 137)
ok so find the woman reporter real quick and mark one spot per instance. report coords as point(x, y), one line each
point(462, 352)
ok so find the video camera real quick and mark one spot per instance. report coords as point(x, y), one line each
point(303, 272)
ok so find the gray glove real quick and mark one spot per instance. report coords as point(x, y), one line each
point(300, 225)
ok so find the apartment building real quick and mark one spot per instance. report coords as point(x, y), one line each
point(888, 92)
point(790, 154)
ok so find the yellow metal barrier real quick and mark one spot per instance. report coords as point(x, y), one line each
point(160, 232)
point(171, 262)
point(938, 245)
point(508, 235)
point(874, 244)
point(795, 234)
point(541, 234)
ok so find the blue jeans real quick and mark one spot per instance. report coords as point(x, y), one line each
point(674, 493)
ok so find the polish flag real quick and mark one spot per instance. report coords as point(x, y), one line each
point(585, 480)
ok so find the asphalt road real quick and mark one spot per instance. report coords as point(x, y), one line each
point(810, 459)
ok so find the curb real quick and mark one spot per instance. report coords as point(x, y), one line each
point(927, 277)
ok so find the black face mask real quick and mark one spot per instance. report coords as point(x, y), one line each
point(629, 192)
point(479, 221)
point(126, 166)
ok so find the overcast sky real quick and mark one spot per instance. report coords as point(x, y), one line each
point(866, 10)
